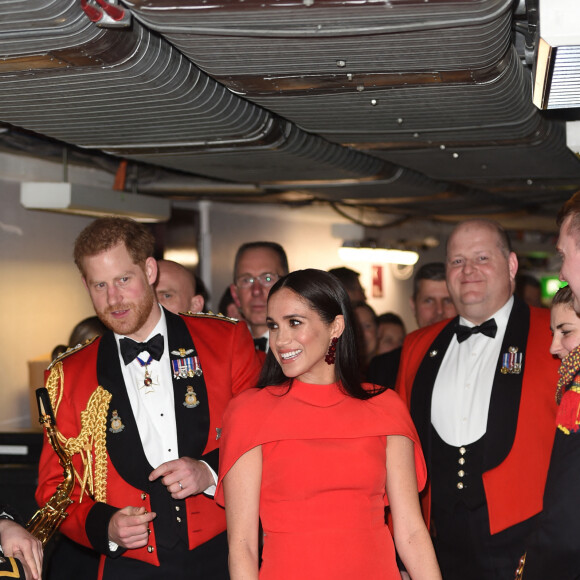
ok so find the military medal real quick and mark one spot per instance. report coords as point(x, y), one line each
point(511, 362)
point(147, 380)
point(186, 367)
point(191, 400)
point(116, 423)
point(196, 366)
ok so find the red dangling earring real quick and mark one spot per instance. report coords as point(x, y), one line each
point(331, 354)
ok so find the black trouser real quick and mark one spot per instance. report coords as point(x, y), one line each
point(467, 551)
point(207, 562)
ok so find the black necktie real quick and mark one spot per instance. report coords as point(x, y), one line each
point(261, 343)
point(489, 328)
point(131, 349)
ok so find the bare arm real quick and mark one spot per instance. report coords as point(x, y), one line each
point(242, 502)
point(411, 537)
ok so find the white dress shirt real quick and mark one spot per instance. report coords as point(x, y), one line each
point(462, 390)
point(154, 407)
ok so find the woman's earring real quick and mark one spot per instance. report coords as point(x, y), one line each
point(331, 354)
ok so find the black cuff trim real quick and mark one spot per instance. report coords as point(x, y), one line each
point(97, 529)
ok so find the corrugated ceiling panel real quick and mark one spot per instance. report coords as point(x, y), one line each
point(497, 109)
point(545, 154)
point(286, 154)
point(313, 18)
point(143, 98)
point(230, 56)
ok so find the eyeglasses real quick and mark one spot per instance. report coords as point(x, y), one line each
point(265, 280)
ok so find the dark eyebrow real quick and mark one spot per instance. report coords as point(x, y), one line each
point(287, 317)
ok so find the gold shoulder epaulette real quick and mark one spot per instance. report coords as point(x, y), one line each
point(210, 314)
point(72, 350)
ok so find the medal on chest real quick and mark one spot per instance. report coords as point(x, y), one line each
point(511, 361)
point(187, 366)
point(147, 380)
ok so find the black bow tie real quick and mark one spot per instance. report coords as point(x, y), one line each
point(261, 343)
point(131, 349)
point(489, 328)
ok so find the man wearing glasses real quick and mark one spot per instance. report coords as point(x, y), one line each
point(257, 267)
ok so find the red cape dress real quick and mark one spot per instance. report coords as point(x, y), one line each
point(322, 495)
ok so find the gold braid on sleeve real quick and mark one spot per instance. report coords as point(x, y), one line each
point(91, 441)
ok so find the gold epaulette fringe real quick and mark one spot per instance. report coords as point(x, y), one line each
point(210, 314)
point(72, 350)
point(91, 439)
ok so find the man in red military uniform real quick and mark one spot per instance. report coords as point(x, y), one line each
point(140, 411)
point(480, 390)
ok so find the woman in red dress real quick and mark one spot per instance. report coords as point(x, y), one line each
point(316, 455)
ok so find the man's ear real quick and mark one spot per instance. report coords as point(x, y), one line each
point(513, 265)
point(413, 306)
point(151, 270)
point(85, 282)
point(197, 303)
point(235, 296)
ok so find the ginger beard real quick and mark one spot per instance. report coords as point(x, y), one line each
point(135, 319)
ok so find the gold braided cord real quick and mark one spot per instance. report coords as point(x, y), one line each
point(91, 439)
point(55, 379)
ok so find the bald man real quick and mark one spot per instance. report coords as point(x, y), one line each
point(480, 390)
point(175, 288)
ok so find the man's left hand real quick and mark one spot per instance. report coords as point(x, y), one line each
point(183, 477)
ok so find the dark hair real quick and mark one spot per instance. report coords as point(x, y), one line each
point(226, 300)
point(504, 242)
point(83, 331)
point(276, 248)
point(391, 318)
point(86, 329)
point(564, 296)
point(348, 278)
point(571, 208)
point(368, 308)
point(326, 295)
point(431, 271)
point(201, 288)
point(107, 232)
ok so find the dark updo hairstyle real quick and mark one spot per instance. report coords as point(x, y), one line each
point(326, 295)
point(564, 296)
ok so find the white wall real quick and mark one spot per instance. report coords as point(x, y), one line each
point(41, 295)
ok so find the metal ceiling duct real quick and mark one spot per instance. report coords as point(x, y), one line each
point(140, 98)
point(422, 108)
